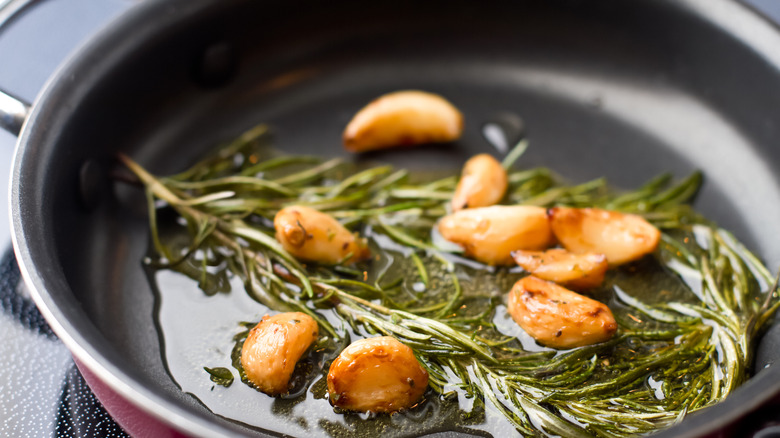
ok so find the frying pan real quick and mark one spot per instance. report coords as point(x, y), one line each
point(625, 90)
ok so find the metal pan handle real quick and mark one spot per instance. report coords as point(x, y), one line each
point(10, 8)
point(13, 112)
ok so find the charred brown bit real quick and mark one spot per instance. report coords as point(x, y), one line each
point(621, 237)
point(577, 271)
point(376, 375)
point(557, 317)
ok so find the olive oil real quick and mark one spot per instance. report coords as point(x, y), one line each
point(687, 314)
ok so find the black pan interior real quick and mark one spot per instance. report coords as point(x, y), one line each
point(625, 90)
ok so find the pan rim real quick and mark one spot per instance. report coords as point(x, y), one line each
point(126, 386)
point(761, 35)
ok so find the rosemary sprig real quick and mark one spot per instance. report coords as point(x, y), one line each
point(686, 354)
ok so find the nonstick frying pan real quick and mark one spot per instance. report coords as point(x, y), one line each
point(625, 90)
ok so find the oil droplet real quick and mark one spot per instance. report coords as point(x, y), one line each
point(657, 388)
point(495, 136)
point(504, 131)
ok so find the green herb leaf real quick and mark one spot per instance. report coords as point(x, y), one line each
point(220, 375)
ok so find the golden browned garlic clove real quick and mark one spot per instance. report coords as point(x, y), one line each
point(274, 346)
point(490, 234)
point(403, 118)
point(482, 183)
point(376, 375)
point(314, 236)
point(577, 271)
point(557, 317)
point(621, 237)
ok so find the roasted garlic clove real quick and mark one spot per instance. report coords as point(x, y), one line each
point(376, 375)
point(490, 234)
point(274, 346)
point(403, 118)
point(621, 237)
point(314, 236)
point(557, 317)
point(482, 183)
point(577, 271)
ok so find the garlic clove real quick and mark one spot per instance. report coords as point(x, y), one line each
point(557, 317)
point(483, 183)
point(403, 118)
point(376, 375)
point(621, 237)
point(490, 234)
point(577, 271)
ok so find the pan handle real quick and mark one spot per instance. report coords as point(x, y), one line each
point(10, 9)
point(13, 112)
